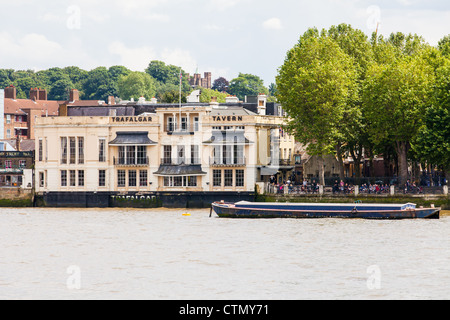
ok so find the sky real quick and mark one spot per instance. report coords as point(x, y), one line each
point(224, 37)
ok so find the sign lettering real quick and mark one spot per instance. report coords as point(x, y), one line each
point(131, 119)
point(227, 118)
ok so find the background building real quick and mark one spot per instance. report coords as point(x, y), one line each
point(194, 155)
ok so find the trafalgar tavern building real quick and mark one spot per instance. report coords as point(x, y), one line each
point(156, 154)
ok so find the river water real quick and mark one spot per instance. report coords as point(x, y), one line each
point(161, 254)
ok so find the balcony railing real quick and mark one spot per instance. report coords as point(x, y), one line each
point(180, 161)
point(131, 162)
point(183, 129)
point(237, 162)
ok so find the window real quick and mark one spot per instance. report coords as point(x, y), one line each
point(22, 163)
point(194, 155)
point(143, 178)
point(80, 150)
point(102, 178)
point(41, 179)
point(63, 178)
point(131, 155)
point(196, 124)
point(238, 154)
point(102, 150)
point(168, 182)
point(167, 155)
point(46, 150)
point(217, 178)
point(132, 178)
point(216, 155)
point(170, 124)
point(40, 150)
point(72, 178)
point(8, 133)
point(122, 153)
point(228, 179)
point(239, 178)
point(121, 178)
point(64, 150)
point(183, 124)
point(72, 146)
point(8, 164)
point(226, 154)
point(181, 155)
point(8, 119)
point(177, 181)
point(141, 155)
point(81, 178)
point(192, 181)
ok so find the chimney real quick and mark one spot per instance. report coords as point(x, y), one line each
point(17, 143)
point(262, 101)
point(232, 99)
point(34, 94)
point(154, 100)
point(42, 94)
point(214, 104)
point(74, 95)
point(10, 92)
point(111, 100)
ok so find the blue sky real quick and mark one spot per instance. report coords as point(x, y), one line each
point(222, 36)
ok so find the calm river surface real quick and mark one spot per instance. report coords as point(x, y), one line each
point(161, 254)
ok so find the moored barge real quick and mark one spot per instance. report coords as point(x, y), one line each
point(244, 209)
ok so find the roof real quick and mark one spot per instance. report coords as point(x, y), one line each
point(132, 138)
point(25, 145)
point(232, 111)
point(227, 137)
point(16, 106)
point(86, 103)
point(180, 170)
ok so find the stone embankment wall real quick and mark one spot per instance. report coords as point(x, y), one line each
point(16, 197)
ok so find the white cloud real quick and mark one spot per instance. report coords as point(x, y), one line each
point(273, 24)
point(178, 57)
point(138, 58)
point(221, 5)
point(36, 51)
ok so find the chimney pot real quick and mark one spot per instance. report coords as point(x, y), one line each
point(74, 95)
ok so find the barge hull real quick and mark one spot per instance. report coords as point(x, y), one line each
point(229, 211)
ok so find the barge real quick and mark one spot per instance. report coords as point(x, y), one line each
point(245, 209)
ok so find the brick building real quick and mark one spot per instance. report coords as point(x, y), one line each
point(19, 114)
point(196, 80)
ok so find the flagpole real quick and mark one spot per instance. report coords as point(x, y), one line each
point(181, 76)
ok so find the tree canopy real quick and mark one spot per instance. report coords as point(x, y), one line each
point(346, 92)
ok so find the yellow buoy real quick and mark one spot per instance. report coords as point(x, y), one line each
point(186, 214)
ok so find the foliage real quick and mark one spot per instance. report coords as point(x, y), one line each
point(221, 84)
point(135, 85)
point(247, 85)
point(432, 143)
point(315, 86)
point(207, 94)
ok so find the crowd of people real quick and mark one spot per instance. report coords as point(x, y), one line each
point(339, 187)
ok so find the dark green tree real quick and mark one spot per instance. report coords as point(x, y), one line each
point(99, 85)
point(247, 85)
